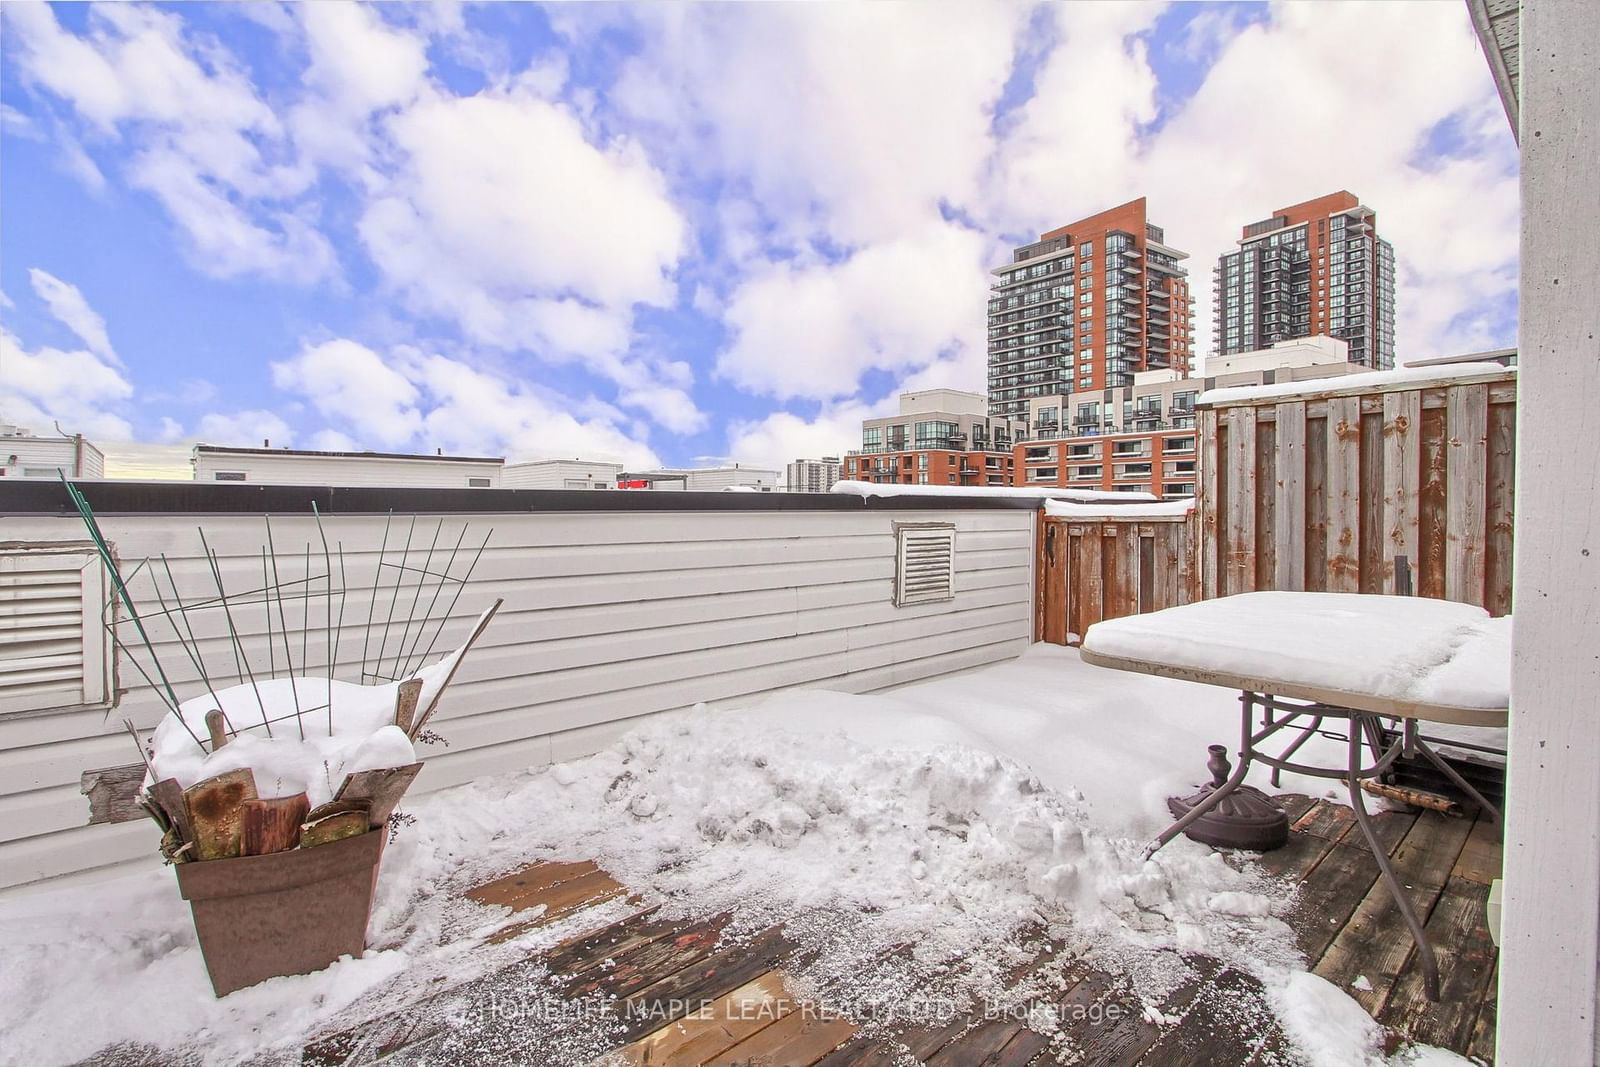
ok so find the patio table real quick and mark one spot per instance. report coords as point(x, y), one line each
point(1305, 658)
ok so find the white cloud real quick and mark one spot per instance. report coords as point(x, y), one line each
point(898, 305)
point(66, 303)
point(244, 429)
point(41, 387)
point(201, 140)
point(351, 383)
point(783, 437)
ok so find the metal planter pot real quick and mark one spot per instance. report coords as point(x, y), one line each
point(291, 912)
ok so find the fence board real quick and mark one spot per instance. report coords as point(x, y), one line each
point(1432, 500)
point(1211, 473)
point(1402, 461)
point(1146, 544)
point(1266, 462)
point(1499, 508)
point(1289, 507)
point(1343, 548)
point(1373, 578)
point(1088, 584)
point(1316, 531)
point(1467, 470)
point(1238, 574)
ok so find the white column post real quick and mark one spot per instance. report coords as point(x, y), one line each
point(1551, 921)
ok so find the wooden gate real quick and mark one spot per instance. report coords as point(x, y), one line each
point(1104, 568)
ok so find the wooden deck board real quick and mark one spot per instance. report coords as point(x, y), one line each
point(658, 967)
point(1375, 943)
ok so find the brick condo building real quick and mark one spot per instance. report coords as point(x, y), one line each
point(940, 437)
point(1087, 306)
point(1142, 437)
point(1317, 267)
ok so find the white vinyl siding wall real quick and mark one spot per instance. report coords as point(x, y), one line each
point(290, 469)
point(608, 616)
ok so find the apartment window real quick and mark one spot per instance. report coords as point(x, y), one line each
point(1178, 444)
point(1085, 473)
point(922, 461)
point(1128, 448)
point(1085, 250)
point(1081, 451)
point(229, 476)
point(1047, 415)
point(1042, 474)
point(57, 653)
point(477, 483)
point(1085, 282)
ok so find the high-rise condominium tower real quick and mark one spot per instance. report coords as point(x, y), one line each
point(1312, 268)
point(1084, 307)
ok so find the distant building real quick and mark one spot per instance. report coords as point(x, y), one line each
point(25, 455)
point(293, 466)
point(812, 475)
point(1142, 438)
point(1312, 268)
point(1087, 306)
point(940, 437)
point(560, 474)
point(702, 479)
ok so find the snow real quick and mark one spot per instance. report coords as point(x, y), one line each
point(867, 489)
point(1354, 383)
point(952, 815)
point(1401, 648)
point(1071, 509)
point(295, 734)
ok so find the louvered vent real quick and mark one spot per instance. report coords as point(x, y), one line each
point(925, 562)
point(53, 650)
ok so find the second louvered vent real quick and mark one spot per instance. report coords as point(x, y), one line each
point(924, 570)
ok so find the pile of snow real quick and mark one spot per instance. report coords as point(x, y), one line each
point(1028, 492)
point(1071, 509)
point(1392, 647)
point(295, 734)
point(1355, 383)
point(953, 816)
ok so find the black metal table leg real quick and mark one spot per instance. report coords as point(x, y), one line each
point(1430, 964)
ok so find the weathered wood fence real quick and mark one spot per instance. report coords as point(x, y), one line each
point(1404, 488)
point(1331, 492)
point(1105, 568)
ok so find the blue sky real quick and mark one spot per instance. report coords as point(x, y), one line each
point(667, 233)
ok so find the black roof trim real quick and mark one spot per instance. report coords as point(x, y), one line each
point(222, 450)
point(219, 498)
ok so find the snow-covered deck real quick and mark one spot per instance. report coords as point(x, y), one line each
point(954, 866)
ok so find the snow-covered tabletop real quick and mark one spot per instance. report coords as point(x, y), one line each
point(1408, 656)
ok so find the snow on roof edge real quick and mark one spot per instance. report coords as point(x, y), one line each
point(866, 489)
point(1355, 383)
point(1071, 509)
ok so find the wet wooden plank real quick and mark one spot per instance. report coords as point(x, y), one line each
point(1481, 1045)
point(1466, 955)
point(1088, 590)
point(1481, 855)
point(1329, 895)
point(1375, 942)
point(1467, 469)
point(702, 980)
point(562, 899)
point(577, 955)
point(703, 1036)
point(1226, 1022)
point(799, 1039)
point(1325, 819)
point(652, 962)
point(521, 888)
